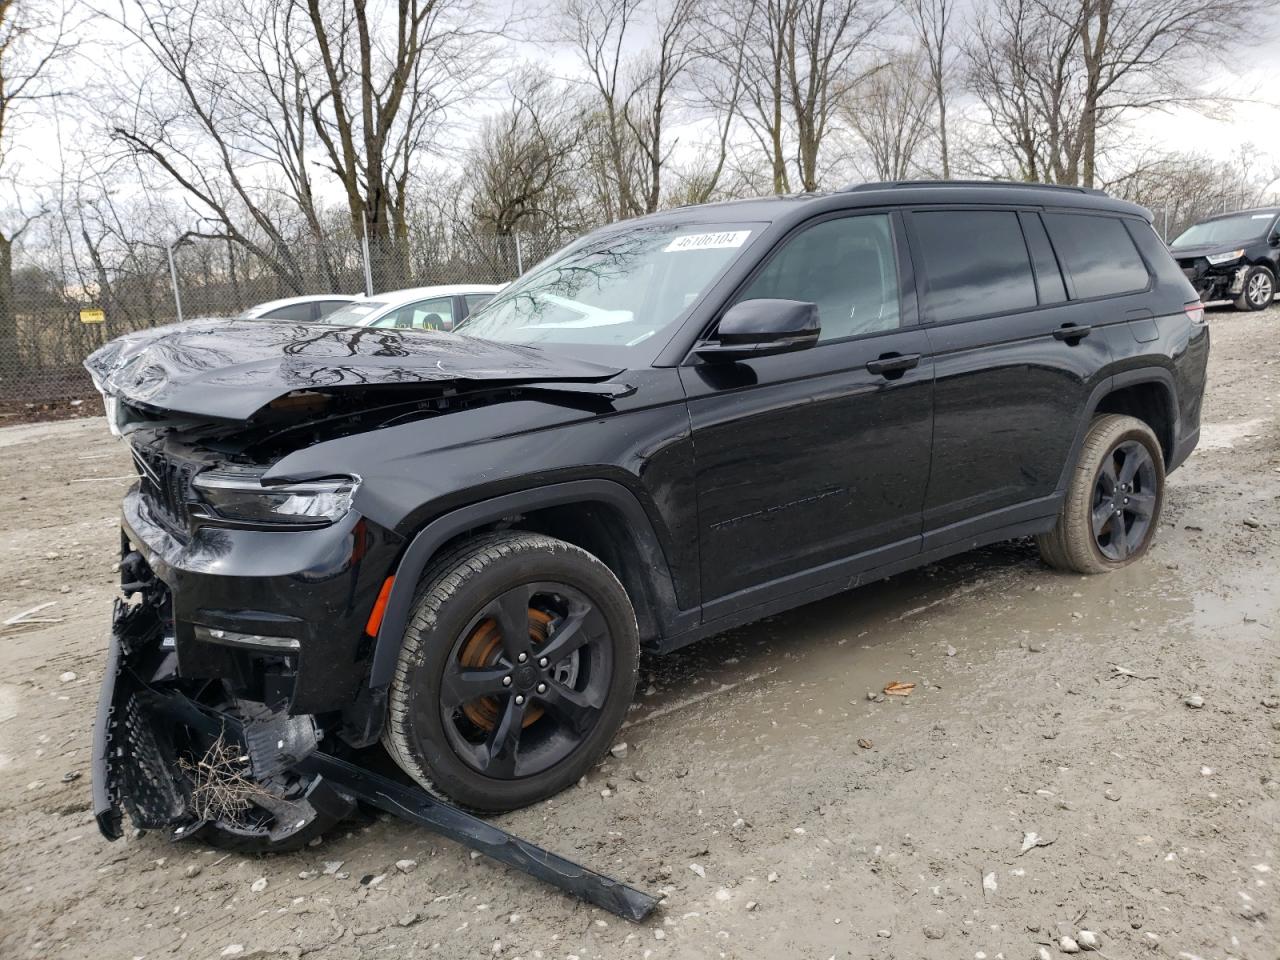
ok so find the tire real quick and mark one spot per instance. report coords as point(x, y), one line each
point(1258, 290)
point(455, 642)
point(1113, 446)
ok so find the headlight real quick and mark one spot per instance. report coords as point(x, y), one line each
point(241, 497)
point(1218, 259)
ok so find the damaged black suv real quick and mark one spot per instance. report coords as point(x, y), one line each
point(1235, 257)
point(457, 544)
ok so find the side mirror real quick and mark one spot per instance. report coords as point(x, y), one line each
point(761, 328)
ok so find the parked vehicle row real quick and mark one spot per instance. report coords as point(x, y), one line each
point(456, 543)
point(438, 307)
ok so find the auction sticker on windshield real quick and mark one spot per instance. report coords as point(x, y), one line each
point(708, 241)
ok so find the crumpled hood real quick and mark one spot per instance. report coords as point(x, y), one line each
point(232, 368)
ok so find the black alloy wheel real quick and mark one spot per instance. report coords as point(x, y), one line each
point(526, 680)
point(1124, 500)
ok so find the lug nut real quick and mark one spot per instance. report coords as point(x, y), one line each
point(543, 662)
point(542, 688)
point(506, 681)
point(523, 657)
point(519, 699)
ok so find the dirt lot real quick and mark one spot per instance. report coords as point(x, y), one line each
point(782, 813)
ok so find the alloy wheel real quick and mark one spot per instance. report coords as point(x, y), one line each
point(1124, 500)
point(1260, 290)
point(526, 680)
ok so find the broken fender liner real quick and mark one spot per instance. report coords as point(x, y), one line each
point(132, 767)
point(417, 806)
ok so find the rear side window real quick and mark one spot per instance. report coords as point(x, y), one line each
point(1157, 255)
point(976, 263)
point(293, 311)
point(1097, 253)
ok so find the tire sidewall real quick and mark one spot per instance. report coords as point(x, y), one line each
point(1141, 433)
point(1245, 300)
point(440, 626)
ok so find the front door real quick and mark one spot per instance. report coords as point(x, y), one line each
point(812, 465)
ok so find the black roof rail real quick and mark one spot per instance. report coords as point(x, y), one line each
point(894, 184)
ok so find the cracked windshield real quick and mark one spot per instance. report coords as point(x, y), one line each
point(617, 292)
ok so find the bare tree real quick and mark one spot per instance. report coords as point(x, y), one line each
point(32, 42)
point(383, 95)
point(931, 20)
point(801, 57)
point(891, 113)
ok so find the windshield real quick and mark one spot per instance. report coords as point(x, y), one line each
point(1241, 227)
point(354, 314)
point(619, 294)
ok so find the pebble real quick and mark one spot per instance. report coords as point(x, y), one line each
point(1251, 911)
point(1194, 702)
point(773, 877)
point(618, 750)
point(1252, 522)
point(1068, 945)
point(951, 651)
point(1042, 953)
point(406, 866)
point(194, 870)
point(496, 948)
point(332, 866)
point(659, 934)
point(698, 869)
point(1112, 795)
point(233, 950)
point(752, 906)
point(67, 677)
point(1035, 646)
point(258, 885)
point(723, 895)
point(884, 934)
point(934, 933)
point(1089, 940)
point(1271, 703)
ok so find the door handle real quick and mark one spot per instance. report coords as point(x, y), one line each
point(1072, 331)
point(893, 365)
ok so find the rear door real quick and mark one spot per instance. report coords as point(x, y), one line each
point(1014, 361)
point(812, 465)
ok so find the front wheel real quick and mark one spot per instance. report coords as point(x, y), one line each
point(516, 671)
point(1113, 501)
point(1257, 291)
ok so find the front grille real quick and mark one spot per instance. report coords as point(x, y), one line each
point(166, 484)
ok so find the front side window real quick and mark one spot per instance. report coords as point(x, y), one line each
point(1098, 253)
point(616, 295)
point(847, 266)
point(976, 263)
point(435, 314)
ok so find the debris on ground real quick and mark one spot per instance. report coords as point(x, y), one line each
point(899, 688)
point(1031, 840)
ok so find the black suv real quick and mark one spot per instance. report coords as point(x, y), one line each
point(1233, 257)
point(458, 543)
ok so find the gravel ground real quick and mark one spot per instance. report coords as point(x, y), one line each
point(1097, 754)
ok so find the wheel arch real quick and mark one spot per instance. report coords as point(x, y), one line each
point(600, 516)
point(1147, 393)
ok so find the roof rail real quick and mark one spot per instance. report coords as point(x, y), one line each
point(894, 184)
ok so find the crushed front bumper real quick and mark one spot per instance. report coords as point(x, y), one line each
point(154, 729)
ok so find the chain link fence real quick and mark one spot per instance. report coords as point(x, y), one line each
point(53, 316)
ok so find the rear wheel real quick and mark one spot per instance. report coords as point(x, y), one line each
point(1257, 291)
point(1113, 501)
point(516, 671)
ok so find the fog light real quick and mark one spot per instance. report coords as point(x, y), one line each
point(250, 641)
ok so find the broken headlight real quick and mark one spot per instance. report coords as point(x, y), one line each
point(1218, 259)
point(242, 498)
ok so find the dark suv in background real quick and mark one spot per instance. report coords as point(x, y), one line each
point(457, 544)
point(1233, 257)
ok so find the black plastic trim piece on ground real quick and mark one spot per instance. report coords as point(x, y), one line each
point(417, 806)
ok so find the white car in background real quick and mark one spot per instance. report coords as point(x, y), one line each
point(418, 308)
point(305, 309)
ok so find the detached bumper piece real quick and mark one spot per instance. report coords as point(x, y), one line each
point(184, 756)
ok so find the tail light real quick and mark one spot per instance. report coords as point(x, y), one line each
point(1194, 311)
